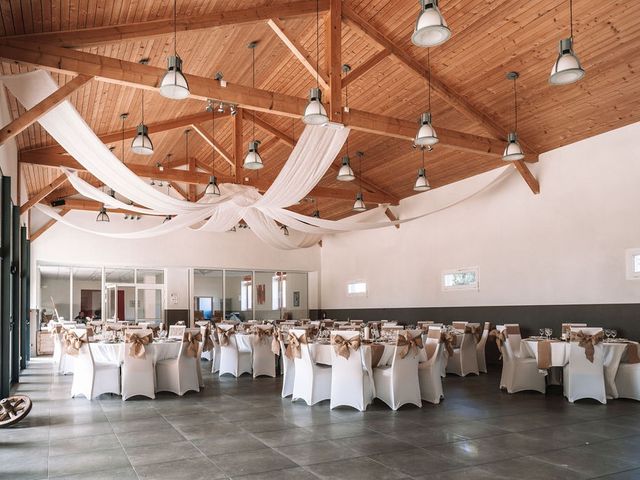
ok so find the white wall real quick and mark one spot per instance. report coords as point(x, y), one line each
point(563, 246)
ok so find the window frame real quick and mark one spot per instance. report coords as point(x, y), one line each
point(455, 288)
point(358, 294)
point(630, 258)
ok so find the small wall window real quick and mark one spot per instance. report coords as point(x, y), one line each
point(357, 289)
point(460, 279)
point(633, 264)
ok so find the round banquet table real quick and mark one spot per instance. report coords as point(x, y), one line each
point(114, 352)
point(613, 355)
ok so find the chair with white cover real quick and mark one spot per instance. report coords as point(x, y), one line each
point(138, 374)
point(351, 384)
point(312, 382)
point(566, 328)
point(628, 376)
point(519, 372)
point(176, 331)
point(288, 368)
point(215, 352)
point(91, 378)
point(584, 374)
point(206, 348)
point(264, 359)
point(232, 359)
point(464, 359)
point(481, 347)
point(429, 371)
point(180, 375)
point(398, 384)
point(459, 325)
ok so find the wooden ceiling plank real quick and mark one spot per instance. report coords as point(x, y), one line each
point(59, 180)
point(34, 236)
point(33, 114)
point(153, 28)
point(334, 52)
point(180, 190)
point(299, 52)
point(367, 65)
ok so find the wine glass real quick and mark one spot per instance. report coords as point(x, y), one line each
point(548, 332)
point(541, 332)
point(607, 333)
point(614, 333)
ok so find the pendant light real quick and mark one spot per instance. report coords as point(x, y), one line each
point(315, 113)
point(285, 230)
point(212, 187)
point(567, 68)
point(141, 143)
point(316, 212)
point(422, 183)
point(513, 150)
point(426, 133)
point(345, 174)
point(253, 160)
point(431, 28)
point(359, 205)
point(123, 117)
point(102, 216)
point(186, 144)
point(174, 85)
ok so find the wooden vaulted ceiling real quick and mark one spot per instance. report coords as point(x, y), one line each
point(489, 39)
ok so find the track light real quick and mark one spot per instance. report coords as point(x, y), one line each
point(431, 29)
point(166, 219)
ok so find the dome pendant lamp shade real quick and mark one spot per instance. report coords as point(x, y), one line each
point(567, 68)
point(359, 205)
point(212, 187)
point(253, 161)
point(345, 174)
point(141, 143)
point(513, 150)
point(431, 28)
point(102, 216)
point(426, 133)
point(174, 84)
point(315, 113)
point(422, 184)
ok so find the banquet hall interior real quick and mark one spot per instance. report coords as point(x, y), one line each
point(334, 239)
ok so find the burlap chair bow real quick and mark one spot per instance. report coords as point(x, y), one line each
point(500, 337)
point(475, 330)
point(409, 344)
point(275, 341)
point(343, 347)
point(207, 345)
point(193, 340)
point(223, 335)
point(57, 329)
point(73, 343)
point(588, 342)
point(137, 344)
point(155, 331)
point(293, 345)
point(263, 334)
point(448, 341)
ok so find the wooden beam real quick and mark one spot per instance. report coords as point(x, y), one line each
point(179, 189)
point(299, 52)
point(528, 177)
point(276, 132)
point(33, 114)
point(391, 216)
point(192, 187)
point(162, 27)
point(344, 194)
point(34, 236)
point(364, 67)
point(206, 136)
point(69, 190)
point(334, 51)
point(237, 144)
point(36, 197)
point(93, 206)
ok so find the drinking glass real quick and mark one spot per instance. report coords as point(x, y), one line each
point(607, 333)
point(614, 333)
point(548, 332)
point(542, 332)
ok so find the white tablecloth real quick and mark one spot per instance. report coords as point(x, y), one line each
point(613, 353)
point(114, 352)
point(322, 353)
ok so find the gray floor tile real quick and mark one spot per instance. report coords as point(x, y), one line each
point(199, 468)
point(229, 443)
point(297, 473)
point(87, 462)
point(84, 444)
point(160, 434)
point(417, 461)
point(317, 452)
point(161, 452)
point(125, 473)
point(257, 461)
point(361, 468)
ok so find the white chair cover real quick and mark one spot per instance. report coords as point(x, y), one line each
point(312, 382)
point(92, 379)
point(481, 347)
point(465, 358)
point(429, 372)
point(351, 384)
point(176, 331)
point(232, 359)
point(583, 378)
point(215, 353)
point(288, 369)
point(519, 373)
point(628, 379)
point(138, 374)
point(264, 360)
point(398, 384)
point(178, 375)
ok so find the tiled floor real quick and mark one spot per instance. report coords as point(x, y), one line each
point(243, 429)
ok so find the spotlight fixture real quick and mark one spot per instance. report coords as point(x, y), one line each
point(166, 219)
point(431, 29)
point(426, 133)
point(141, 143)
point(252, 160)
point(233, 110)
point(174, 84)
point(212, 187)
point(152, 182)
point(221, 107)
point(102, 215)
point(138, 217)
point(567, 68)
point(315, 113)
point(126, 216)
point(422, 183)
point(513, 150)
point(160, 166)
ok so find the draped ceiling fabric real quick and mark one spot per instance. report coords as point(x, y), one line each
point(312, 155)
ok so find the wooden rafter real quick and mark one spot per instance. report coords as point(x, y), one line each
point(180, 190)
point(153, 28)
point(33, 114)
point(533, 183)
point(34, 236)
point(69, 190)
point(146, 76)
point(299, 52)
point(94, 206)
point(364, 67)
point(392, 216)
point(334, 51)
point(206, 136)
point(36, 197)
